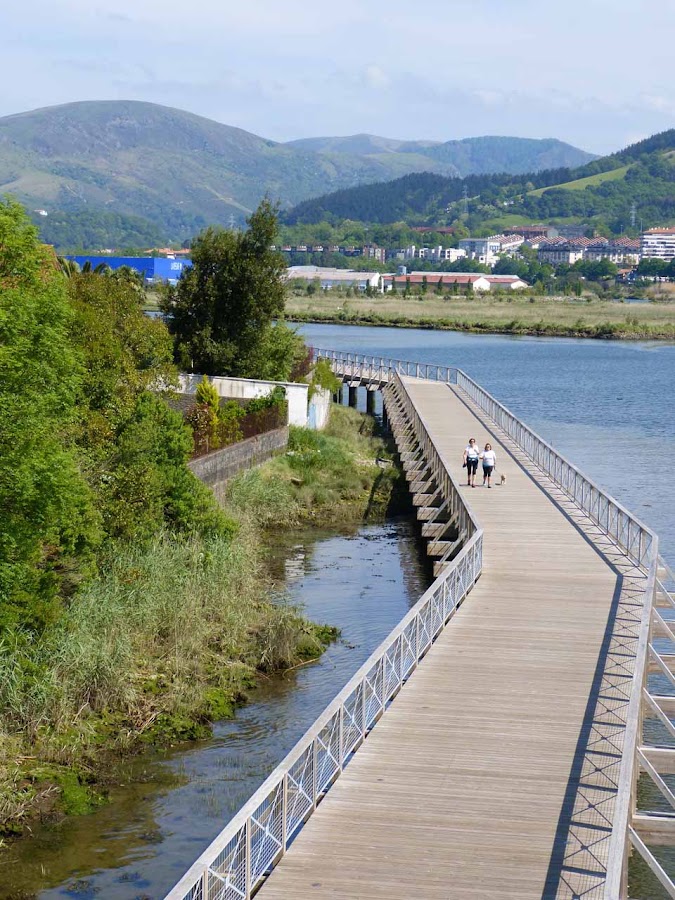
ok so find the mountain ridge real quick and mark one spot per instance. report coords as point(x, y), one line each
point(174, 169)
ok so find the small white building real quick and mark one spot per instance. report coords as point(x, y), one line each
point(658, 243)
point(329, 278)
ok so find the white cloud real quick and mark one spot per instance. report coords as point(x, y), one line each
point(376, 78)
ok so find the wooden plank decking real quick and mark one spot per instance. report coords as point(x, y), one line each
point(458, 791)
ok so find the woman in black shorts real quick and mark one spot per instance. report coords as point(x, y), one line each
point(489, 458)
point(470, 462)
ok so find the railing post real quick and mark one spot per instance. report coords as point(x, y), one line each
point(315, 771)
point(247, 862)
point(284, 813)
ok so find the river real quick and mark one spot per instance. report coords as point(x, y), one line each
point(608, 406)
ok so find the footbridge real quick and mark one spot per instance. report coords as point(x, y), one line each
point(493, 745)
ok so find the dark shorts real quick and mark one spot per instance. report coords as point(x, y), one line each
point(471, 466)
point(487, 470)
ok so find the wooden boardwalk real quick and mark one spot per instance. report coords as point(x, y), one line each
point(463, 788)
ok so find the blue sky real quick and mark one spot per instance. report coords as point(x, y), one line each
point(596, 73)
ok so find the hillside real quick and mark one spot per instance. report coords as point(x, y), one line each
point(470, 156)
point(601, 193)
point(177, 171)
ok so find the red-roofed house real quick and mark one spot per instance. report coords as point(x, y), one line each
point(464, 280)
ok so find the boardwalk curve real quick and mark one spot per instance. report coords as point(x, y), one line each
point(506, 765)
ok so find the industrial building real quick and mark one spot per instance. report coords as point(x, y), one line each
point(153, 268)
point(328, 278)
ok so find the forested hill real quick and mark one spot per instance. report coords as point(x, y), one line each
point(602, 191)
point(125, 173)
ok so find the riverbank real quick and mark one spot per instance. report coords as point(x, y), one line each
point(171, 638)
point(516, 314)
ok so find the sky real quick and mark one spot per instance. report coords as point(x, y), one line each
point(595, 73)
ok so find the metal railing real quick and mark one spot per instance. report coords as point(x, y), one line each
point(244, 853)
point(640, 544)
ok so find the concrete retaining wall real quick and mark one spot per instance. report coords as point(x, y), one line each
point(248, 388)
point(216, 468)
point(319, 409)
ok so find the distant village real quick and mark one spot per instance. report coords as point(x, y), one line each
point(554, 246)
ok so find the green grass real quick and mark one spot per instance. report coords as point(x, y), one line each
point(581, 183)
point(324, 477)
point(518, 312)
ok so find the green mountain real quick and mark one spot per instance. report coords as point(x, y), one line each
point(121, 173)
point(606, 192)
point(470, 156)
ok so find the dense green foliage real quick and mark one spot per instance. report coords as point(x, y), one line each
point(223, 308)
point(649, 182)
point(218, 423)
point(96, 229)
point(88, 452)
point(48, 523)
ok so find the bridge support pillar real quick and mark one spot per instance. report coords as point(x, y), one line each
point(370, 401)
point(341, 395)
point(353, 395)
point(385, 419)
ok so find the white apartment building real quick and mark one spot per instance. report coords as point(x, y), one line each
point(487, 250)
point(556, 253)
point(658, 243)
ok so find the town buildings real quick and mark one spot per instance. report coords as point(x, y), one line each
point(437, 254)
point(556, 251)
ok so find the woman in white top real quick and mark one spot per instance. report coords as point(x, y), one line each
point(489, 458)
point(470, 462)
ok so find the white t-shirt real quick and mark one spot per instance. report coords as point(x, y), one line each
point(471, 452)
point(489, 457)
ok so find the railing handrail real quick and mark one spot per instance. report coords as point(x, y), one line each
point(471, 552)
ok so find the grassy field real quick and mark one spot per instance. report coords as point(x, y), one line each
point(517, 313)
point(581, 183)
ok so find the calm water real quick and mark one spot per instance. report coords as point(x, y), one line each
point(139, 845)
point(609, 406)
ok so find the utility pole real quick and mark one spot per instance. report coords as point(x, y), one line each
point(633, 214)
point(465, 202)
point(232, 222)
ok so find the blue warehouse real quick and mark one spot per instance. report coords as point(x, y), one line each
point(153, 268)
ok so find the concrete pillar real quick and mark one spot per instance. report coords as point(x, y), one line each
point(341, 395)
point(353, 395)
point(385, 419)
point(370, 401)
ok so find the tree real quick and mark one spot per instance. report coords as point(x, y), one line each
point(48, 524)
point(223, 307)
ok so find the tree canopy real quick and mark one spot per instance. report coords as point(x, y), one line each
point(223, 308)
